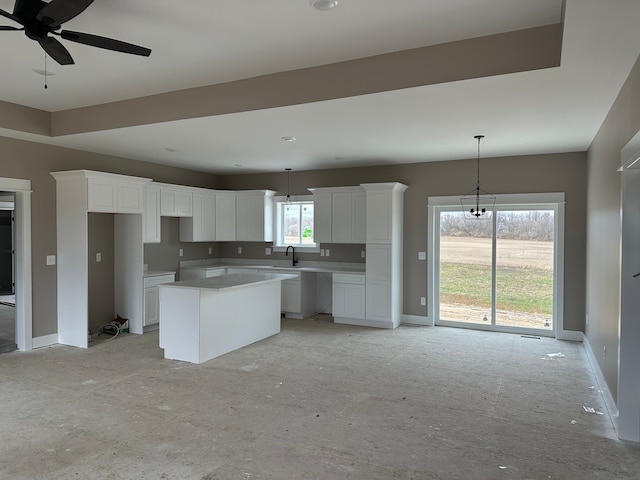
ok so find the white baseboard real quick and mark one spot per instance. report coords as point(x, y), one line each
point(571, 335)
point(363, 323)
point(602, 384)
point(416, 320)
point(45, 340)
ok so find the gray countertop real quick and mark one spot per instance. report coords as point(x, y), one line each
point(325, 268)
point(234, 280)
point(157, 273)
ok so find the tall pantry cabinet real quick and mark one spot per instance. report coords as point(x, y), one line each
point(384, 207)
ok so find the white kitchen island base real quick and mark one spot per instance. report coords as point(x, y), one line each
point(205, 318)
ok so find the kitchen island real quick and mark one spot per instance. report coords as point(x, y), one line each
point(204, 318)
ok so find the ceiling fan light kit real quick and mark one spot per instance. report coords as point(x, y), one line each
point(39, 20)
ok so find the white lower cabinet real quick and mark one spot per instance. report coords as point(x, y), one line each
point(348, 297)
point(151, 298)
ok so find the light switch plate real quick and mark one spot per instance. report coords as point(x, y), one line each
point(239, 250)
point(210, 250)
point(326, 252)
point(98, 257)
point(181, 252)
point(422, 255)
point(267, 251)
point(51, 259)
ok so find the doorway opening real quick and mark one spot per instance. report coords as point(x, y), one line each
point(7, 273)
point(502, 273)
point(19, 191)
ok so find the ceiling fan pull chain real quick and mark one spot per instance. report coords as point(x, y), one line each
point(45, 70)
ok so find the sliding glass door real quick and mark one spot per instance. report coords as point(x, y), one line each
point(498, 273)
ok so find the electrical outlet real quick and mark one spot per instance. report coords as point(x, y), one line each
point(322, 252)
point(267, 251)
point(326, 252)
point(181, 252)
point(423, 300)
point(239, 250)
point(98, 257)
point(362, 254)
point(422, 255)
point(210, 250)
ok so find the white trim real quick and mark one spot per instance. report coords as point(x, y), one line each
point(511, 199)
point(364, 323)
point(45, 341)
point(415, 320)
point(24, 309)
point(609, 402)
point(570, 335)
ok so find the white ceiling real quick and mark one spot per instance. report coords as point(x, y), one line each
point(205, 42)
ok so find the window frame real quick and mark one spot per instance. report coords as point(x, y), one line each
point(277, 222)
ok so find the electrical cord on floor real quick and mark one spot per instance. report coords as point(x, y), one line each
point(112, 328)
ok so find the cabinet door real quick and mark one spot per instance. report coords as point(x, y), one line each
point(225, 218)
point(129, 198)
point(359, 217)
point(200, 227)
point(151, 215)
point(168, 203)
point(378, 282)
point(151, 306)
point(355, 304)
point(290, 296)
point(339, 300)
point(244, 218)
point(102, 195)
point(378, 215)
point(184, 204)
point(322, 217)
point(341, 218)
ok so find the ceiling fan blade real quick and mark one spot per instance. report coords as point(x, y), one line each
point(56, 12)
point(56, 50)
point(7, 27)
point(10, 16)
point(104, 42)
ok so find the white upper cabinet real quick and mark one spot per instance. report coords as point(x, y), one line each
point(201, 226)
point(151, 215)
point(384, 211)
point(254, 215)
point(225, 218)
point(112, 193)
point(339, 214)
point(176, 201)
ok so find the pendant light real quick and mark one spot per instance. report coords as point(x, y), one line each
point(288, 170)
point(478, 204)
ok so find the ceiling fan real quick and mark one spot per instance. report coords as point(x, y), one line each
point(40, 19)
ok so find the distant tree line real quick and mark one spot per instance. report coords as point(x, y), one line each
point(515, 225)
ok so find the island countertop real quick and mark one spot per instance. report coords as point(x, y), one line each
point(233, 280)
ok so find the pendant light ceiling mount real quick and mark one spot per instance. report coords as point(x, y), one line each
point(478, 204)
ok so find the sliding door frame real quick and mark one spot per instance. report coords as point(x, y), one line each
point(533, 201)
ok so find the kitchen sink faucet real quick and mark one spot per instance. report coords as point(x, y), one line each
point(293, 255)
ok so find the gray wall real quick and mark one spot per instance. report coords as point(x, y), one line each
point(604, 229)
point(101, 274)
point(526, 174)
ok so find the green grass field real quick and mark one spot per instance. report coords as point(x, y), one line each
point(519, 289)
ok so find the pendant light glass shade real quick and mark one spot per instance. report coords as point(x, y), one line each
point(478, 204)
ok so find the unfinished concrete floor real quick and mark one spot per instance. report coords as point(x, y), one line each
point(317, 401)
